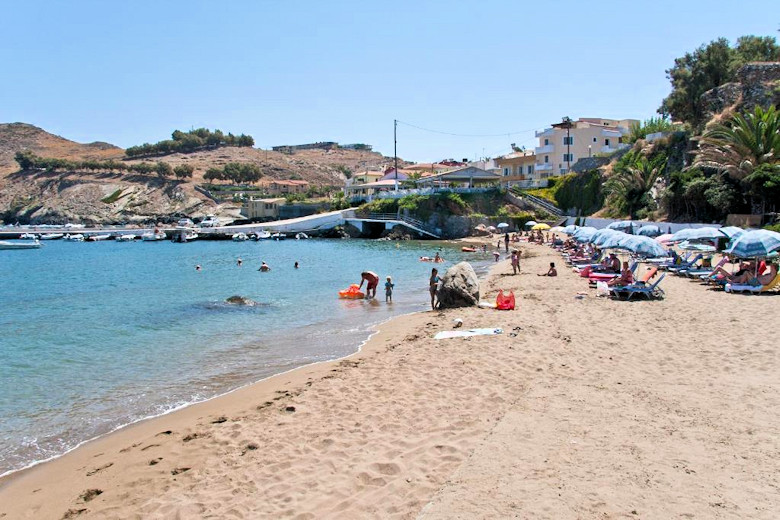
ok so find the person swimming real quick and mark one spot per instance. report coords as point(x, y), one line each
point(264, 267)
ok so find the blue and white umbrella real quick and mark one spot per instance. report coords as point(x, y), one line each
point(731, 231)
point(644, 246)
point(584, 233)
point(683, 234)
point(755, 244)
point(502, 225)
point(601, 235)
point(649, 230)
point(623, 224)
point(686, 245)
point(570, 229)
point(705, 233)
point(616, 240)
point(530, 223)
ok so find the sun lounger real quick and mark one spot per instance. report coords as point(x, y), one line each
point(649, 291)
point(605, 277)
point(705, 271)
point(685, 265)
point(755, 289)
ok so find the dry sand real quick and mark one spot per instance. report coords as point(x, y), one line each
point(592, 408)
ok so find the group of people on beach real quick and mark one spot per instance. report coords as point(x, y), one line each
point(371, 279)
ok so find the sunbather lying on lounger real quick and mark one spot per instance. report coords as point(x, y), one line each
point(747, 271)
point(626, 277)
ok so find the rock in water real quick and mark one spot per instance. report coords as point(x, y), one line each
point(459, 287)
point(240, 300)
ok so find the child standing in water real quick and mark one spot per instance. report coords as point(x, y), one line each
point(389, 290)
point(434, 286)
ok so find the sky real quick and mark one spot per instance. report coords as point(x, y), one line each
point(290, 72)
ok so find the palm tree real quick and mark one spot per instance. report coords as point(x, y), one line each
point(630, 185)
point(742, 144)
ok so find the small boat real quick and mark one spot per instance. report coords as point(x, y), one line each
point(29, 236)
point(26, 244)
point(301, 236)
point(240, 237)
point(263, 235)
point(125, 238)
point(278, 236)
point(74, 238)
point(182, 235)
point(98, 238)
point(52, 236)
point(153, 236)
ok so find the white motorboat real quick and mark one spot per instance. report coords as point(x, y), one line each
point(22, 244)
point(183, 234)
point(52, 236)
point(78, 237)
point(153, 236)
point(263, 235)
point(29, 236)
point(240, 237)
point(126, 238)
point(98, 238)
point(301, 236)
point(278, 236)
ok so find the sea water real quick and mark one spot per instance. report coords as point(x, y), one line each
point(94, 336)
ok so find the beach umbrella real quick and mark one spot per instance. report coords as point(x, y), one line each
point(755, 244)
point(622, 224)
point(664, 239)
point(649, 231)
point(557, 229)
point(704, 233)
point(502, 225)
point(584, 233)
point(681, 235)
point(541, 226)
point(616, 240)
point(570, 229)
point(686, 245)
point(599, 236)
point(731, 231)
point(643, 246)
point(530, 223)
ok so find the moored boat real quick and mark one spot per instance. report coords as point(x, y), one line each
point(29, 236)
point(126, 238)
point(278, 236)
point(22, 244)
point(52, 236)
point(153, 236)
point(78, 237)
point(182, 235)
point(240, 237)
point(98, 238)
point(262, 235)
point(301, 236)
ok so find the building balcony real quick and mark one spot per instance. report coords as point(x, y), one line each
point(547, 132)
point(542, 167)
point(539, 150)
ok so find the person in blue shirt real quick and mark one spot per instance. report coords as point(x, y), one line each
point(389, 290)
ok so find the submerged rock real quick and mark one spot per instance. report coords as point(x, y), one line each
point(240, 300)
point(459, 287)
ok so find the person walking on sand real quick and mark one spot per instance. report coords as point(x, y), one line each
point(506, 242)
point(373, 280)
point(389, 290)
point(515, 261)
point(434, 286)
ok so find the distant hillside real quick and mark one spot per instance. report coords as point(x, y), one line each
point(103, 197)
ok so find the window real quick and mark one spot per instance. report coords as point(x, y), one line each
point(595, 140)
point(563, 171)
point(620, 139)
point(546, 142)
point(506, 172)
point(546, 158)
point(568, 140)
point(606, 142)
point(530, 169)
point(568, 157)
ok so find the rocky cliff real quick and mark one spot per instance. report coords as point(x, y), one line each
point(757, 84)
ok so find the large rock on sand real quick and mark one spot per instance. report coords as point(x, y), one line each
point(459, 287)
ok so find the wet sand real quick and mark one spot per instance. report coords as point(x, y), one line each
point(582, 408)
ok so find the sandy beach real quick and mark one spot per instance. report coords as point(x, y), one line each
point(582, 408)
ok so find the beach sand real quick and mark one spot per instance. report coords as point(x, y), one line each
point(582, 408)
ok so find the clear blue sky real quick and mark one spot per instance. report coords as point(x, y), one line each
point(291, 72)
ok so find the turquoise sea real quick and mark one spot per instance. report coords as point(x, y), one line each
point(94, 336)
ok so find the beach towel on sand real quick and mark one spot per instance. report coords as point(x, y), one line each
point(447, 334)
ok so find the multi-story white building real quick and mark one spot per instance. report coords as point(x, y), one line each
point(561, 145)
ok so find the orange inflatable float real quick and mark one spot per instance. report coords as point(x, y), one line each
point(468, 249)
point(353, 293)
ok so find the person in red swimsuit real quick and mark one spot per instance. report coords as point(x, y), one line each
point(373, 280)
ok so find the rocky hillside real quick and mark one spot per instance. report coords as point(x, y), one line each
point(109, 197)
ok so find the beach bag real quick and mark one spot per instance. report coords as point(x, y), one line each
point(602, 289)
point(505, 302)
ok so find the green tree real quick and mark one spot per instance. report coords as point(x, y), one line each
point(26, 160)
point(183, 171)
point(628, 189)
point(214, 174)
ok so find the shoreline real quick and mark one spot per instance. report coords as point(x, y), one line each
point(9, 476)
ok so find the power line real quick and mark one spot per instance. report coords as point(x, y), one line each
point(507, 134)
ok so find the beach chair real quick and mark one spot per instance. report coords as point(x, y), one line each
point(685, 265)
point(593, 278)
point(753, 289)
point(705, 272)
point(676, 262)
point(649, 291)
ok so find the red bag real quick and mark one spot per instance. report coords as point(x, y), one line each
point(505, 303)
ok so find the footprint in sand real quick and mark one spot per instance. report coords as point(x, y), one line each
point(101, 468)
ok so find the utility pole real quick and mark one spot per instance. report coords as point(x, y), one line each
point(395, 151)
